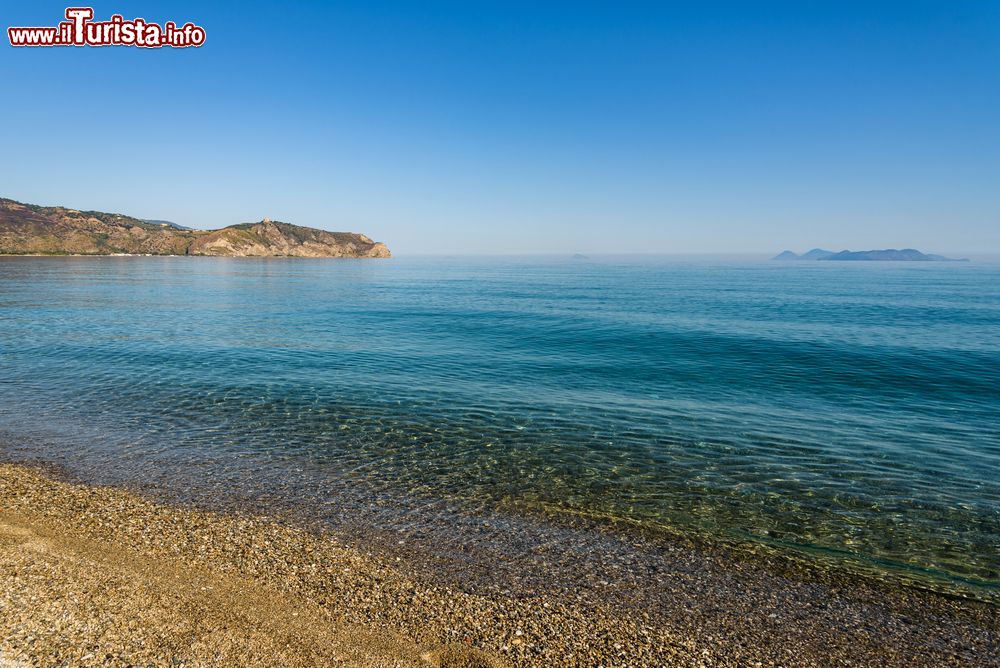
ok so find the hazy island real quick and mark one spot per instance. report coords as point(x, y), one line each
point(888, 254)
point(27, 229)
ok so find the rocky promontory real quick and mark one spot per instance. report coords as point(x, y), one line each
point(26, 229)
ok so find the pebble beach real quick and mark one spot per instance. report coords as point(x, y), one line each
point(102, 576)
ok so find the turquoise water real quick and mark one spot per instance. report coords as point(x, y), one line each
point(851, 410)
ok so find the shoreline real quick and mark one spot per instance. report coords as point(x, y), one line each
point(251, 257)
point(371, 607)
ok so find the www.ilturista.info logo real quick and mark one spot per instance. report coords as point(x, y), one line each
point(80, 30)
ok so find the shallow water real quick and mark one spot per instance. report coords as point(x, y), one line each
point(851, 410)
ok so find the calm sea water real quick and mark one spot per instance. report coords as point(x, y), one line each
point(851, 410)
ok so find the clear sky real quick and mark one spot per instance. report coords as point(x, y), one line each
point(515, 127)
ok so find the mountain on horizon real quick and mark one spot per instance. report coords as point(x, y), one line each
point(814, 254)
point(886, 255)
point(167, 223)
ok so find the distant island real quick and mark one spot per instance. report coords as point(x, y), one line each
point(889, 254)
point(27, 229)
point(168, 223)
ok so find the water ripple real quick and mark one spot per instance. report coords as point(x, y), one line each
point(851, 410)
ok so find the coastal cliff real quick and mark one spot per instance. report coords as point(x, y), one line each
point(26, 229)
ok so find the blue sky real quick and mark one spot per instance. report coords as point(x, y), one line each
point(529, 127)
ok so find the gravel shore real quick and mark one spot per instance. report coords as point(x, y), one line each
point(102, 576)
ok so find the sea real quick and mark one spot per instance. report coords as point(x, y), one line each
point(843, 412)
